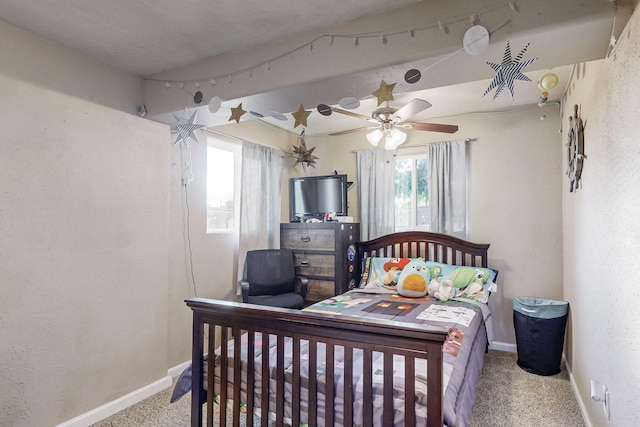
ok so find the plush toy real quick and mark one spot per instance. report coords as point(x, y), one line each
point(392, 269)
point(413, 279)
point(436, 273)
point(469, 281)
point(433, 287)
point(445, 291)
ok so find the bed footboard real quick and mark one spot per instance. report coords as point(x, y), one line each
point(226, 322)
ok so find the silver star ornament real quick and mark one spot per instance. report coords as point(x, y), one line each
point(509, 71)
point(186, 129)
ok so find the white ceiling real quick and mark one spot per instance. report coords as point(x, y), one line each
point(145, 37)
point(149, 37)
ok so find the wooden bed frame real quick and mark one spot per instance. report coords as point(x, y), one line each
point(229, 320)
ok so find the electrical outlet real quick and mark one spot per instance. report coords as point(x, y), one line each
point(601, 394)
point(605, 404)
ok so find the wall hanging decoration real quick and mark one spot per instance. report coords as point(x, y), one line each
point(303, 155)
point(236, 113)
point(186, 129)
point(301, 117)
point(575, 150)
point(508, 71)
point(384, 92)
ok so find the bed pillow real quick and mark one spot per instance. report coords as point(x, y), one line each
point(474, 283)
point(382, 273)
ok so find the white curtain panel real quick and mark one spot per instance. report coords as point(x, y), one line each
point(376, 184)
point(262, 169)
point(447, 166)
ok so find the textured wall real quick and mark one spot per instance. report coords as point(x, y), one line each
point(83, 235)
point(602, 232)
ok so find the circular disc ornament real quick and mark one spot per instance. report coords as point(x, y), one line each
point(412, 76)
point(349, 103)
point(476, 40)
point(214, 104)
point(324, 109)
point(278, 115)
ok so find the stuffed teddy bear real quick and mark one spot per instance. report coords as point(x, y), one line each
point(445, 291)
point(436, 273)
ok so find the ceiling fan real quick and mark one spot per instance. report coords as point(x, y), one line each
point(389, 120)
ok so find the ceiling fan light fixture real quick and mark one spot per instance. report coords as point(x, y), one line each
point(374, 137)
point(398, 136)
point(394, 138)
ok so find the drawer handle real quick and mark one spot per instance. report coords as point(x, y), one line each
point(304, 263)
point(305, 238)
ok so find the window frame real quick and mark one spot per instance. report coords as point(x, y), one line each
point(236, 149)
point(414, 158)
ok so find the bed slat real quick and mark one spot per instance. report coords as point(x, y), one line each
point(223, 378)
point(348, 386)
point(313, 384)
point(328, 389)
point(264, 380)
point(251, 382)
point(295, 384)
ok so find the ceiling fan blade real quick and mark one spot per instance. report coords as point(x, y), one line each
point(411, 109)
point(344, 132)
point(433, 127)
point(351, 113)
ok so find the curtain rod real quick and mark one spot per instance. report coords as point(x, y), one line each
point(226, 135)
point(420, 145)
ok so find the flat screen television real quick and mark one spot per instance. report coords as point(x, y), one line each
point(312, 196)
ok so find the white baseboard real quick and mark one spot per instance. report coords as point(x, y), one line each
point(581, 404)
point(503, 346)
point(117, 405)
point(177, 370)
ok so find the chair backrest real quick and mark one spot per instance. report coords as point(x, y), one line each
point(270, 271)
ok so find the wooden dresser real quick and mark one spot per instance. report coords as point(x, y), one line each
point(325, 254)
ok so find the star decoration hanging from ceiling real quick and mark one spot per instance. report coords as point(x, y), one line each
point(303, 155)
point(384, 92)
point(236, 113)
point(509, 71)
point(186, 129)
point(301, 116)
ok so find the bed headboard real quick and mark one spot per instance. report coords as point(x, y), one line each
point(436, 247)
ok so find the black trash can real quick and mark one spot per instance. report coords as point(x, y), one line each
point(540, 325)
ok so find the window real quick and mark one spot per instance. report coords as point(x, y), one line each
point(412, 194)
point(223, 176)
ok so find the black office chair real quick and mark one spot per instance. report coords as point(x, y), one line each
point(270, 279)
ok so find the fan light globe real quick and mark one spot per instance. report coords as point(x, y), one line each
point(374, 137)
point(398, 136)
point(548, 81)
point(394, 138)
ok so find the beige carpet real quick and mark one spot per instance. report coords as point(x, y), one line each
point(506, 396)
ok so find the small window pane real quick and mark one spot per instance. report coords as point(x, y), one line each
point(412, 194)
point(423, 216)
point(403, 198)
point(220, 189)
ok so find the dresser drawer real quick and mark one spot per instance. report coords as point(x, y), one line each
point(319, 290)
point(320, 239)
point(314, 265)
